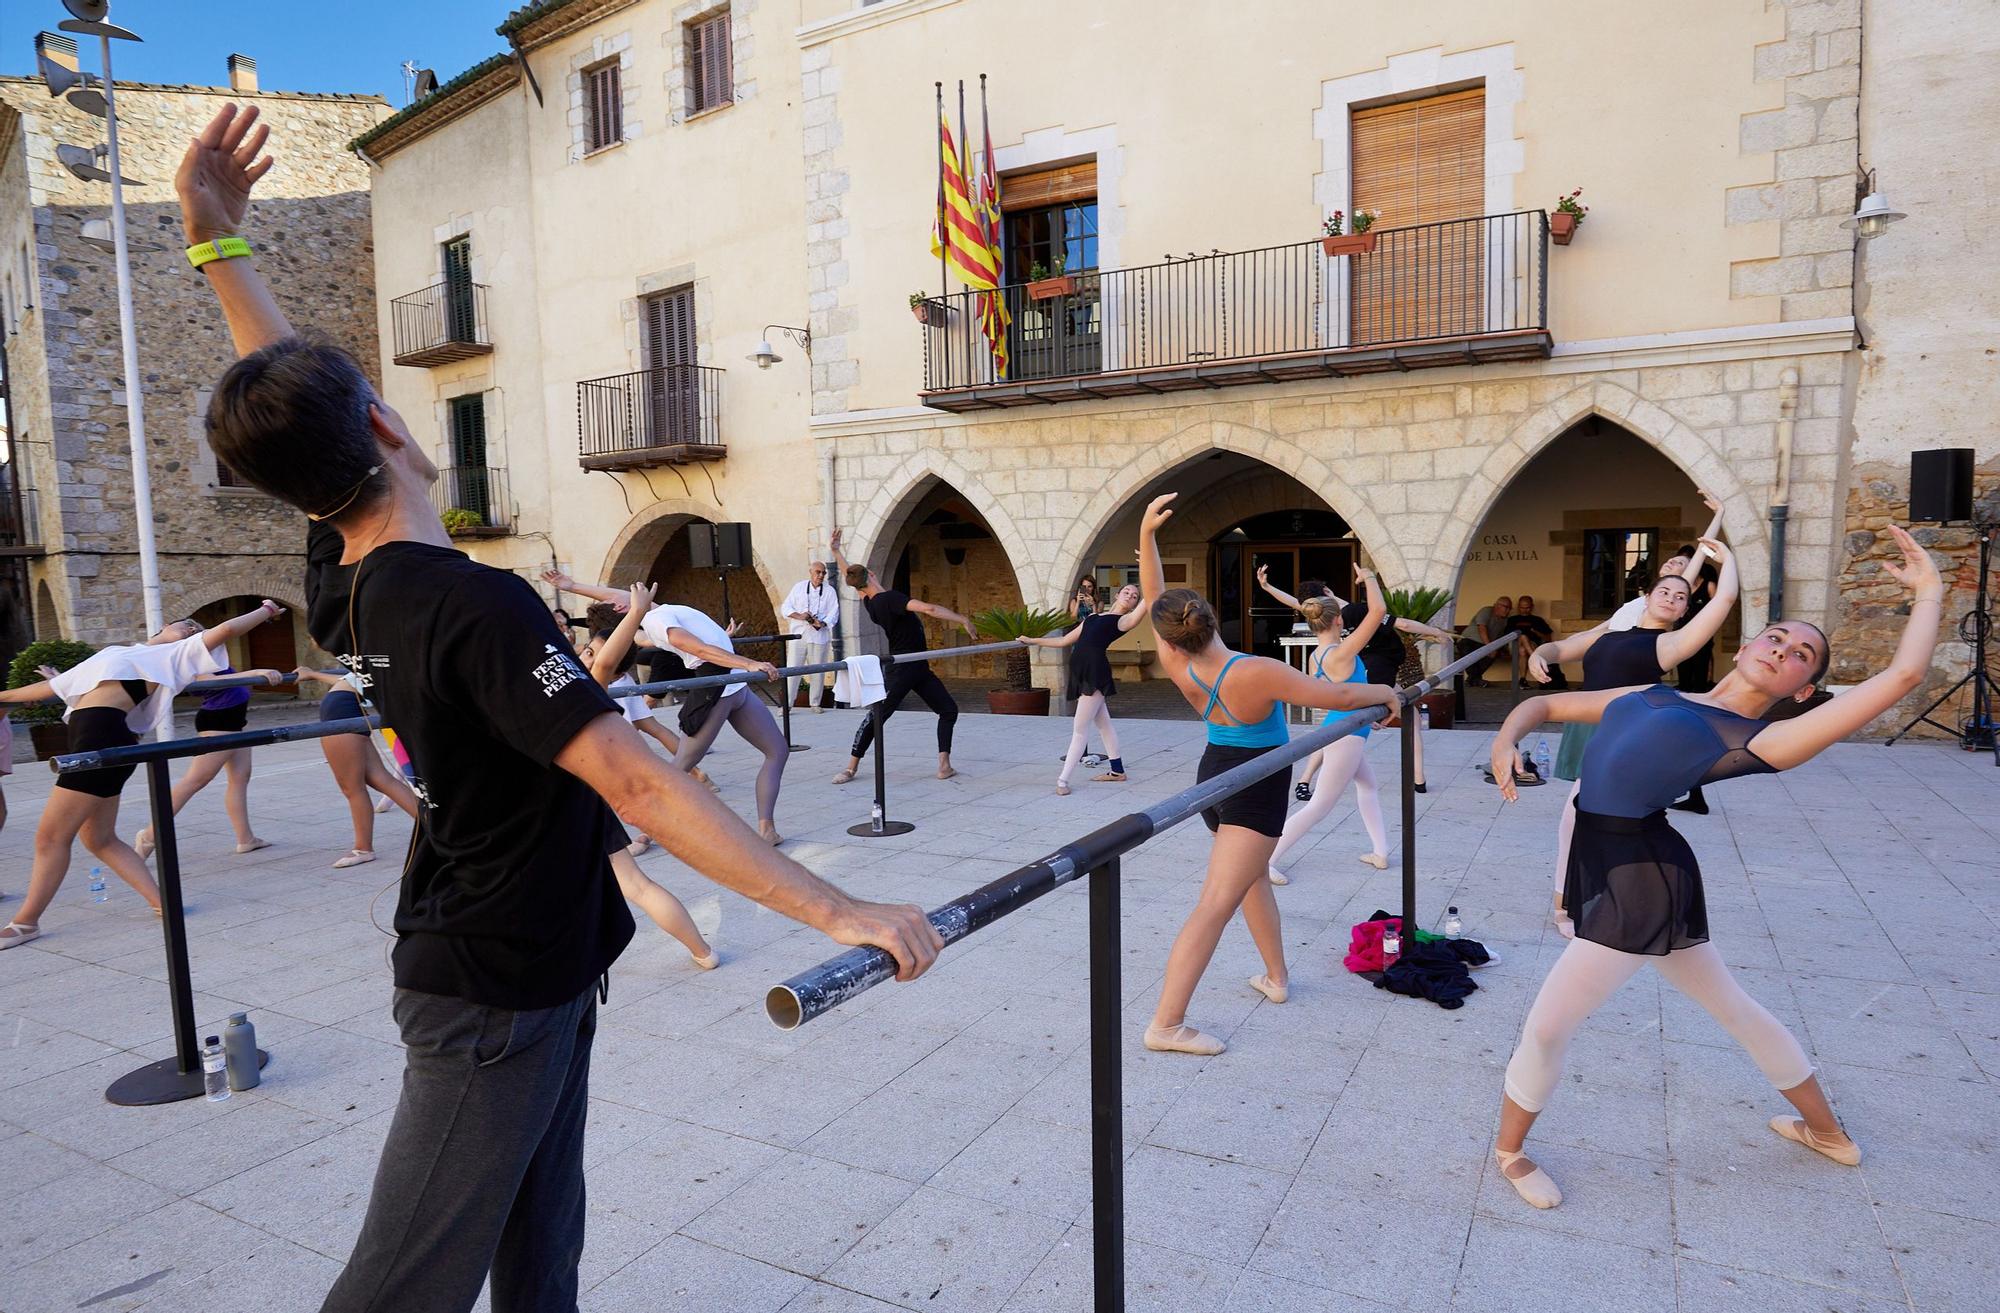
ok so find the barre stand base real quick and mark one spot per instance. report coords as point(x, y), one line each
point(162, 1082)
point(867, 830)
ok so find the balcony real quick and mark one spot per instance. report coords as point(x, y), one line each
point(1452, 293)
point(670, 415)
point(473, 501)
point(20, 518)
point(440, 324)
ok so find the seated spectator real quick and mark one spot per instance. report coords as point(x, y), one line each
point(1524, 620)
point(1483, 628)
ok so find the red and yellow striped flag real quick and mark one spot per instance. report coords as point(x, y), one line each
point(958, 235)
point(994, 317)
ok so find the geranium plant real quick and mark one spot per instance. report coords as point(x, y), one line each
point(1338, 221)
point(1570, 205)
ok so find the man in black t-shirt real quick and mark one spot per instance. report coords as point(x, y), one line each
point(509, 914)
point(1525, 621)
point(897, 614)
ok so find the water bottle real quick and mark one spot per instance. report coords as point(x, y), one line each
point(98, 894)
point(239, 1052)
point(1392, 945)
point(214, 1070)
point(875, 816)
point(1453, 927)
point(1423, 717)
point(1542, 767)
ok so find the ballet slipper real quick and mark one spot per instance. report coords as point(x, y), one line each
point(1062, 789)
point(700, 776)
point(1183, 1039)
point(1380, 861)
point(1278, 876)
point(1535, 1185)
point(1110, 777)
point(1795, 1128)
point(355, 857)
point(768, 832)
point(1275, 992)
point(142, 843)
point(254, 844)
point(383, 804)
point(709, 963)
point(14, 934)
point(640, 845)
point(845, 777)
point(946, 772)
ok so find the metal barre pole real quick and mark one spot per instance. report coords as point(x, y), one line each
point(142, 753)
point(820, 668)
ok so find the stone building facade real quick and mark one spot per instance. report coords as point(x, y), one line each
point(311, 229)
point(1715, 324)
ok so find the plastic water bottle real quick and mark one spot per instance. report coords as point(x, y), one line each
point(1423, 717)
point(1392, 945)
point(1453, 927)
point(214, 1070)
point(239, 1052)
point(98, 894)
point(1542, 765)
point(875, 816)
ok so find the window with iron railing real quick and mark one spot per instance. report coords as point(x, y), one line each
point(711, 71)
point(603, 105)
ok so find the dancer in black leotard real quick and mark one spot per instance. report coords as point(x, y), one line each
point(1633, 884)
point(1625, 659)
point(1090, 681)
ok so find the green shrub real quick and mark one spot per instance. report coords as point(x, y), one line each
point(62, 653)
point(459, 520)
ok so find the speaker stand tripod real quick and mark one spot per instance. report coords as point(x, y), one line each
point(1977, 733)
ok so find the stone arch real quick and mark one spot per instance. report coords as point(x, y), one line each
point(1652, 424)
point(641, 540)
point(898, 495)
point(283, 581)
point(48, 620)
point(1196, 441)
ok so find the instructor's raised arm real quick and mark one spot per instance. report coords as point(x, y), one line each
point(214, 182)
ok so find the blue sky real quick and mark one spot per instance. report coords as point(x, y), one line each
point(299, 45)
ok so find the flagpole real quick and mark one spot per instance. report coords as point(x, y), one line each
point(944, 238)
point(989, 199)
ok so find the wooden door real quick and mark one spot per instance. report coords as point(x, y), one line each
point(1420, 165)
point(673, 411)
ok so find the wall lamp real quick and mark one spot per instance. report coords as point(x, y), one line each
point(764, 357)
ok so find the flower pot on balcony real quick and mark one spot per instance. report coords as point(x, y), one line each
point(1045, 289)
point(1350, 244)
point(924, 314)
point(1008, 702)
point(1562, 227)
point(50, 739)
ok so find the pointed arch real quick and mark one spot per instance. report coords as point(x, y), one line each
point(637, 544)
point(898, 495)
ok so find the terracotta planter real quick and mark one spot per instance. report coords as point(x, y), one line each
point(1442, 704)
point(1007, 702)
point(50, 739)
point(1044, 289)
point(922, 311)
point(1351, 244)
point(1562, 227)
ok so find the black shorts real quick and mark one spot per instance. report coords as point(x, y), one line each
point(91, 729)
point(1261, 807)
point(340, 704)
point(224, 720)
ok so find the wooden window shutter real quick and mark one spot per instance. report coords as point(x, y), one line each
point(468, 431)
point(1040, 187)
point(711, 75)
point(672, 390)
point(604, 105)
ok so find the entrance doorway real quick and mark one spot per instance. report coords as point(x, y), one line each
point(1292, 546)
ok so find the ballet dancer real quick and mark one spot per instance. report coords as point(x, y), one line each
point(704, 648)
point(357, 767)
point(1242, 725)
point(897, 614)
point(109, 699)
point(225, 711)
point(1633, 884)
point(611, 653)
point(1091, 684)
point(508, 917)
point(602, 621)
point(1626, 658)
point(1338, 660)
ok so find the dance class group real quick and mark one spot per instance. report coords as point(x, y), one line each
point(525, 761)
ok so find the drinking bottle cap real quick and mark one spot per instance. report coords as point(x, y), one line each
point(211, 1040)
point(243, 1018)
point(1448, 909)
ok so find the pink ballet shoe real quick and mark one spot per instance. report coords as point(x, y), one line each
point(1183, 1039)
point(1536, 1186)
point(1795, 1128)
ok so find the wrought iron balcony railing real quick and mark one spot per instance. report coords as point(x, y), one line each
point(440, 324)
point(1446, 293)
point(669, 415)
point(473, 501)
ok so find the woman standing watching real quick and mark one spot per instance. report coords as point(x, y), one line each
point(1633, 884)
point(1243, 723)
point(1083, 602)
point(109, 699)
point(1091, 684)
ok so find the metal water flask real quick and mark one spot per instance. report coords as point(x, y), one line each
point(239, 1047)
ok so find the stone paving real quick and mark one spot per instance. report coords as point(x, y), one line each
point(925, 1147)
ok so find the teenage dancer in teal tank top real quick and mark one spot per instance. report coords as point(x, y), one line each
point(1242, 703)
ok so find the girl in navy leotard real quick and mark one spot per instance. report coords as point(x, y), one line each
point(1338, 660)
point(1632, 885)
point(1242, 703)
point(1090, 682)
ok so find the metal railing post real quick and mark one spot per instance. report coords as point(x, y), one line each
point(169, 1080)
point(1107, 1093)
point(867, 830)
point(1408, 737)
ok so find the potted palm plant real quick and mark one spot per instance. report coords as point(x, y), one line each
point(1348, 235)
point(1419, 604)
point(44, 720)
point(1566, 217)
point(1045, 284)
point(1017, 696)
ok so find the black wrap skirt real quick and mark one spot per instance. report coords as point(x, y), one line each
point(1633, 885)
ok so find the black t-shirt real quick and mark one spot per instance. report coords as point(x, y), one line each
point(326, 587)
point(891, 610)
point(508, 899)
point(1536, 627)
point(1383, 648)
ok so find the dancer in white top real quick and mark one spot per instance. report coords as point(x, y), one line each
point(813, 608)
point(109, 699)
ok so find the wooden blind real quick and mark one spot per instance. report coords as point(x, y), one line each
point(711, 77)
point(673, 412)
point(1065, 182)
point(604, 105)
point(1420, 166)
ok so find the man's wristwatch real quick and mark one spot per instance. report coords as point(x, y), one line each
point(222, 248)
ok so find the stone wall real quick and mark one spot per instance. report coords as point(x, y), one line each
point(310, 226)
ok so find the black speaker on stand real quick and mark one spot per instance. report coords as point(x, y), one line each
point(1941, 490)
point(721, 548)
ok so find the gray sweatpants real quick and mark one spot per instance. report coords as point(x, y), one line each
point(483, 1167)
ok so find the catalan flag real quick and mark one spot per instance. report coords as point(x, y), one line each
point(994, 317)
point(959, 234)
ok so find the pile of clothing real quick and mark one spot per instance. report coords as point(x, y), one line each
point(1429, 966)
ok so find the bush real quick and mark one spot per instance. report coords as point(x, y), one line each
point(1004, 622)
point(62, 653)
point(459, 520)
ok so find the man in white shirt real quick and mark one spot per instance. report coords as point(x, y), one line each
point(813, 608)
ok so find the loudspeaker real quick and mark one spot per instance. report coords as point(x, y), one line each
point(719, 546)
point(1941, 484)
